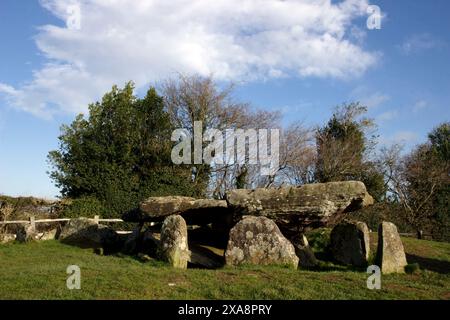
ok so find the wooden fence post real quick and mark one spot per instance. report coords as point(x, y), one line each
point(96, 219)
point(33, 222)
point(419, 234)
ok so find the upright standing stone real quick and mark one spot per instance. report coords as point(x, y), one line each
point(305, 254)
point(131, 243)
point(390, 254)
point(257, 240)
point(174, 242)
point(26, 233)
point(349, 242)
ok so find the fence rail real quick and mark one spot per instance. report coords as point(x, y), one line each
point(420, 235)
point(33, 221)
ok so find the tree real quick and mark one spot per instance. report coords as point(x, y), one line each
point(120, 153)
point(423, 176)
point(195, 98)
point(420, 182)
point(440, 145)
point(344, 146)
point(298, 155)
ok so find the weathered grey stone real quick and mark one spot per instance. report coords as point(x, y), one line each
point(174, 242)
point(350, 243)
point(390, 254)
point(258, 240)
point(305, 254)
point(7, 237)
point(131, 243)
point(297, 208)
point(164, 206)
point(203, 257)
point(194, 211)
point(47, 235)
point(149, 243)
point(26, 233)
point(86, 233)
point(144, 257)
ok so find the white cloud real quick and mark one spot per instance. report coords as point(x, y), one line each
point(374, 100)
point(368, 98)
point(420, 42)
point(386, 116)
point(358, 34)
point(145, 40)
point(301, 106)
point(419, 106)
point(400, 137)
point(55, 88)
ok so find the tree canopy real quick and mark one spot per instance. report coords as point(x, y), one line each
point(344, 145)
point(120, 153)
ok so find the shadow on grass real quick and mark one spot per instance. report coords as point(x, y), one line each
point(439, 266)
point(328, 267)
point(204, 258)
point(326, 263)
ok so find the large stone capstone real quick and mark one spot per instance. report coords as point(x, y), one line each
point(86, 233)
point(174, 242)
point(349, 242)
point(307, 206)
point(390, 253)
point(194, 211)
point(258, 240)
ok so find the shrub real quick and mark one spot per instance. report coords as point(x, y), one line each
point(84, 207)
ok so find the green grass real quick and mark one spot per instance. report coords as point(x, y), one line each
point(38, 271)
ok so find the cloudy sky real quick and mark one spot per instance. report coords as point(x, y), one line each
point(302, 57)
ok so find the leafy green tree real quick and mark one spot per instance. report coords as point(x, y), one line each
point(120, 153)
point(440, 145)
point(343, 148)
point(439, 139)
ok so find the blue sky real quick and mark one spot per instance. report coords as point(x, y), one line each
point(302, 57)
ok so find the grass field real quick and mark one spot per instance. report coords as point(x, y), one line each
point(38, 271)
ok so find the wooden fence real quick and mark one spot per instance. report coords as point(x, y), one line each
point(416, 235)
point(33, 222)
